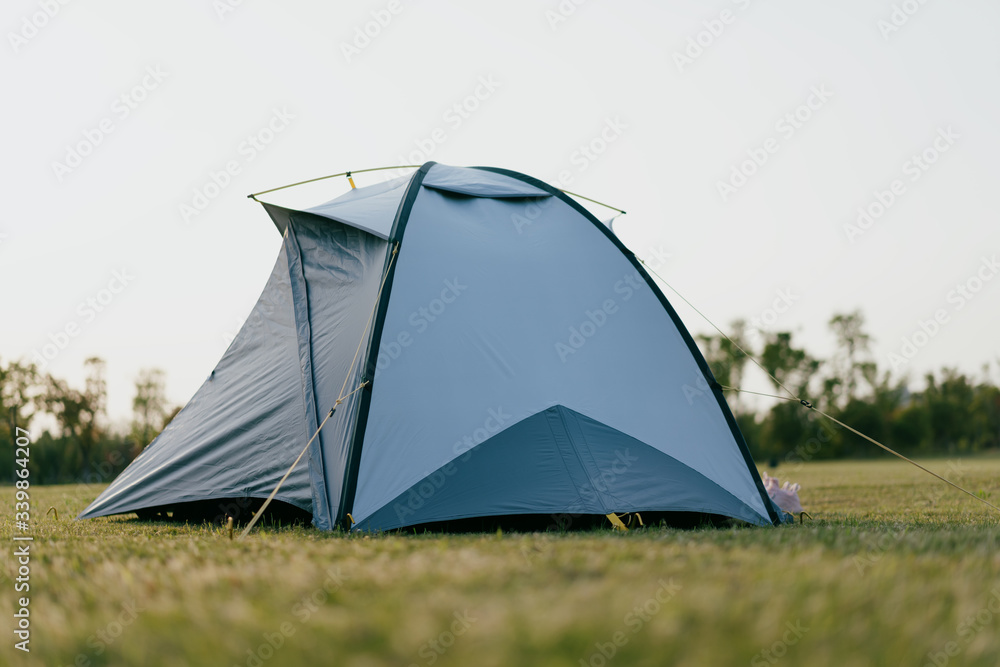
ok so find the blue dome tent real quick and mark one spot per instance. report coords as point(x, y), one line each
point(492, 350)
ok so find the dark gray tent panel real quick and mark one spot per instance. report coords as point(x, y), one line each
point(335, 272)
point(534, 466)
point(237, 436)
point(519, 361)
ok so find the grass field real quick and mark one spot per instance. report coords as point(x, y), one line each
point(896, 568)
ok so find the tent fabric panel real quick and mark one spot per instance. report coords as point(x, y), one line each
point(341, 268)
point(310, 416)
point(239, 433)
point(521, 313)
point(772, 509)
point(534, 467)
point(371, 208)
point(279, 216)
point(478, 183)
point(521, 470)
point(638, 477)
point(371, 350)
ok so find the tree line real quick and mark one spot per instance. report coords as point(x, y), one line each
point(78, 444)
point(952, 414)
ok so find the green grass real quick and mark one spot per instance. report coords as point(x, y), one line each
point(892, 568)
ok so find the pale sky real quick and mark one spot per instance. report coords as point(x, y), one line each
point(741, 137)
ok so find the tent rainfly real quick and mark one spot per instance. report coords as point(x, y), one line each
point(499, 354)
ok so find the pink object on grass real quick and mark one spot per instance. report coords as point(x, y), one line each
point(785, 496)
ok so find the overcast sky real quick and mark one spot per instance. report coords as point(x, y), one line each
point(742, 137)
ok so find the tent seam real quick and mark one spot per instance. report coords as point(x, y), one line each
point(352, 466)
point(311, 389)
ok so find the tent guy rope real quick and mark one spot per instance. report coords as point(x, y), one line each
point(323, 178)
point(404, 166)
point(385, 275)
point(871, 440)
point(807, 404)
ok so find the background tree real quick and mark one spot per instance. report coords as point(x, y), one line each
point(726, 360)
point(788, 365)
point(953, 414)
point(78, 413)
point(852, 364)
point(786, 425)
point(149, 406)
point(18, 390)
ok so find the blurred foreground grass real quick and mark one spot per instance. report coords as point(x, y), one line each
point(896, 568)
